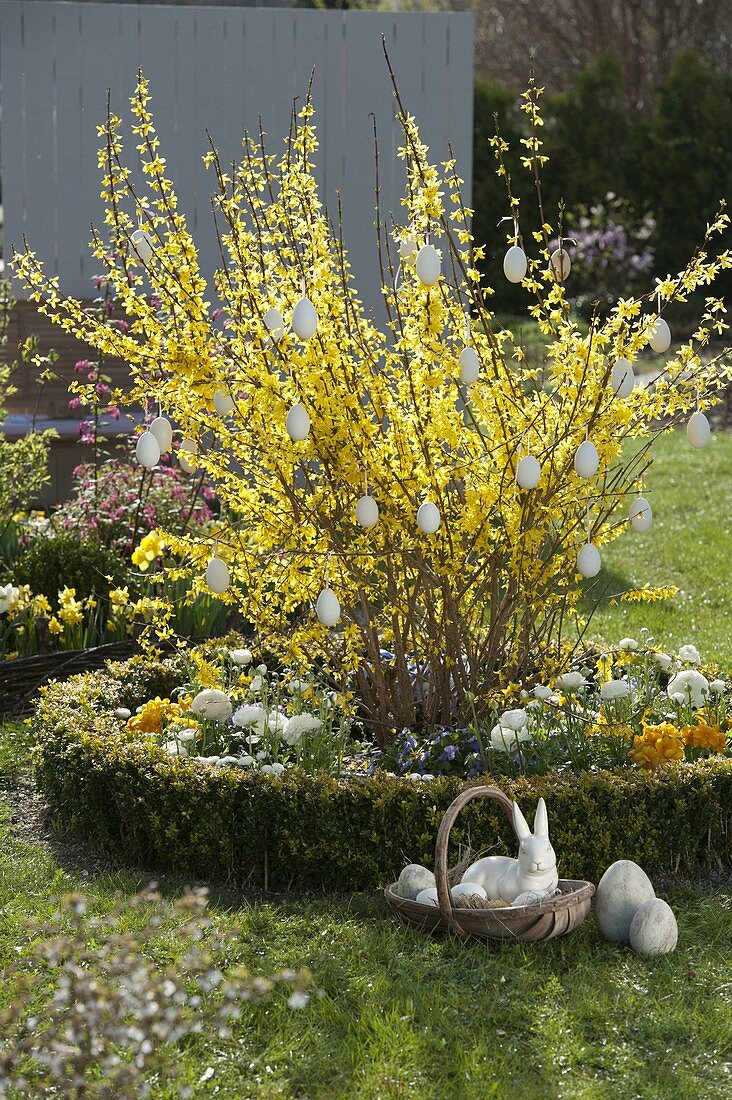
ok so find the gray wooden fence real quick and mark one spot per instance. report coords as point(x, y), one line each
point(216, 68)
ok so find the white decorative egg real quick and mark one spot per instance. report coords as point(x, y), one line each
point(660, 336)
point(162, 429)
point(471, 890)
point(428, 896)
point(698, 431)
point(653, 929)
point(142, 246)
point(297, 423)
point(367, 512)
point(640, 515)
point(428, 265)
point(589, 561)
point(304, 319)
point(560, 264)
point(528, 472)
point(531, 897)
point(327, 607)
point(223, 402)
point(274, 323)
point(407, 249)
point(514, 264)
point(428, 518)
point(586, 459)
point(217, 575)
point(147, 451)
point(413, 879)
point(620, 893)
point(622, 378)
point(469, 366)
point(187, 450)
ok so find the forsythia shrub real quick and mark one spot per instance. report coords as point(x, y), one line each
point(482, 600)
point(133, 802)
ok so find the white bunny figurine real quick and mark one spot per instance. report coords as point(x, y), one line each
point(534, 870)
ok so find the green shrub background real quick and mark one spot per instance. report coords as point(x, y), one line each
point(134, 803)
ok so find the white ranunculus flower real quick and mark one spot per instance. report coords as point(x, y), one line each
point(513, 719)
point(542, 692)
point(690, 655)
point(246, 761)
point(615, 689)
point(185, 735)
point(569, 681)
point(508, 740)
point(278, 769)
point(628, 643)
point(262, 669)
point(274, 722)
point(299, 725)
point(122, 712)
point(688, 686)
point(256, 684)
point(213, 705)
point(663, 660)
point(266, 769)
point(241, 656)
point(717, 686)
point(249, 715)
point(174, 748)
point(297, 685)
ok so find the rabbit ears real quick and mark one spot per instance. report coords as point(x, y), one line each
point(541, 821)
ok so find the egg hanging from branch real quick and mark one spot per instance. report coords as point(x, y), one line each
point(367, 511)
point(407, 249)
point(660, 336)
point(162, 429)
point(514, 264)
point(274, 323)
point(528, 472)
point(217, 575)
point(147, 450)
point(328, 608)
point(304, 319)
point(223, 402)
point(640, 515)
point(428, 265)
point(469, 366)
point(560, 264)
point(428, 518)
point(589, 561)
point(586, 459)
point(188, 449)
point(142, 246)
point(297, 423)
point(698, 431)
point(622, 377)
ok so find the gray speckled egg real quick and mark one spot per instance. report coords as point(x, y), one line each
point(653, 930)
point(620, 893)
point(413, 879)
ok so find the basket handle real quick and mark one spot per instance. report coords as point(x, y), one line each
point(444, 899)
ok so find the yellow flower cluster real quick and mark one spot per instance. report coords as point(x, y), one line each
point(153, 714)
point(703, 736)
point(150, 548)
point(71, 610)
point(657, 745)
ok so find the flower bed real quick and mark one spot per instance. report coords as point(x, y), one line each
point(135, 801)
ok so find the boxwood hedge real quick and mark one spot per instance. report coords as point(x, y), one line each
point(134, 803)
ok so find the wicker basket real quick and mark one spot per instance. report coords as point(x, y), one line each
point(531, 923)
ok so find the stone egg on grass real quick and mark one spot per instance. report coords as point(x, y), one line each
point(428, 518)
point(660, 336)
point(620, 893)
point(217, 575)
point(586, 459)
point(469, 366)
point(428, 265)
point(413, 879)
point(328, 608)
point(698, 431)
point(147, 451)
point(528, 472)
point(589, 562)
point(653, 929)
point(640, 515)
point(428, 896)
point(297, 423)
point(622, 377)
point(142, 245)
point(304, 319)
point(223, 402)
point(514, 264)
point(464, 891)
point(367, 512)
point(162, 429)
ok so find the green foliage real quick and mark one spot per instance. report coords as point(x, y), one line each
point(135, 803)
point(51, 564)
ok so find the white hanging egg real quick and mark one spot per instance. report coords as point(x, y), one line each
point(142, 246)
point(469, 366)
point(640, 515)
point(274, 323)
point(560, 264)
point(528, 472)
point(428, 265)
point(586, 459)
point(162, 429)
point(147, 450)
point(407, 249)
point(223, 402)
point(660, 336)
point(589, 561)
point(428, 518)
point(304, 319)
point(297, 423)
point(367, 512)
point(327, 607)
point(188, 447)
point(217, 575)
point(698, 431)
point(514, 264)
point(622, 378)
